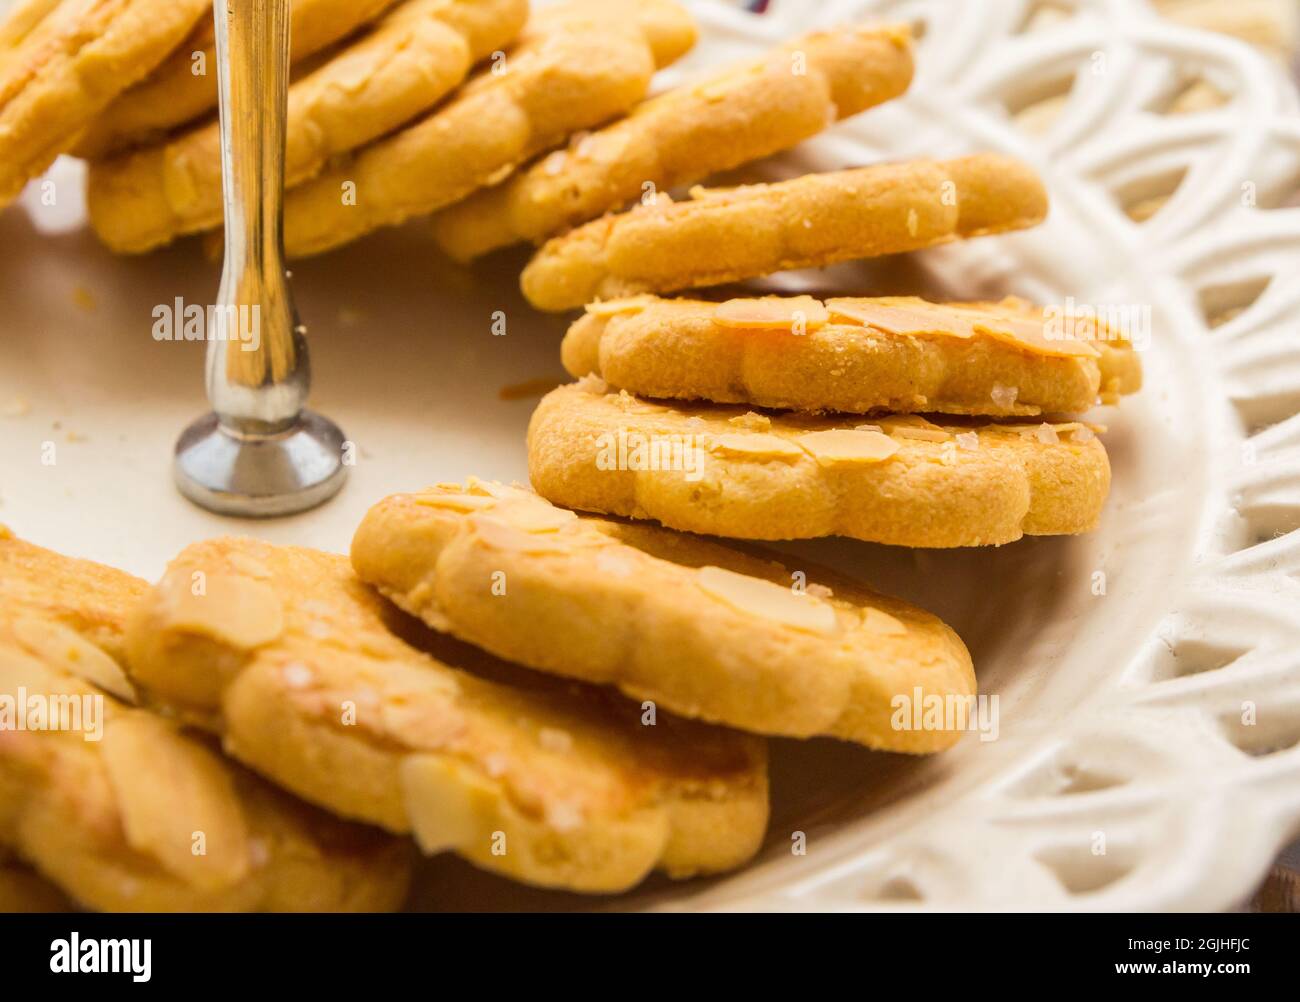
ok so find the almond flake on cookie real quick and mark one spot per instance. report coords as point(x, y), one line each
point(842, 445)
point(772, 312)
point(613, 307)
point(882, 622)
point(768, 601)
point(755, 445)
point(751, 421)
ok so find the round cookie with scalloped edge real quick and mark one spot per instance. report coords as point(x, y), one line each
point(857, 355)
point(740, 114)
point(698, 628)
point(899, 479)
point(725, 235)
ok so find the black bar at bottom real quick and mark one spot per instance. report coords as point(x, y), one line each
point(562, 952)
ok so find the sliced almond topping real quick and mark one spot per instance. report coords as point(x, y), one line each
point(1048, 434)
point(250, 566)
point(1012, 322)
point(922, 434)
point(1033, 336)
point(841, 445)
point(766, 600)
point(449, 804)
point(721, 87)
point(235, 610)
point(456, 502)
point(612, 307)
point(900, 315)
point(64, 649)
point(788, 313)
point(882, 622)
point(536, 516)
point(755, 445)
point(751, 421)
point(503, 536)
point(169, 787)
point(498, 490)
point(615, 565)
point(892, 421)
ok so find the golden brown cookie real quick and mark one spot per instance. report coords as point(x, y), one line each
point(296, 663)
point(730, 472)
point(122, 810)
point(576, 65)
point(61, 64)
point(414, 56)
point(746, 112)
point(725, 235)
point(184, 86)
point(700, 629)
point(896, 354)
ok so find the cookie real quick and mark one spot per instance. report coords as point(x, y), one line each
point(744, 113)
point(576, 65)
point(122, 810)
point(729, 472)
point(184, 86)
point(297, 664)
point(725, 235)
point(896, 354)
point(401, 67)
point(700, 629)
point(61, 64)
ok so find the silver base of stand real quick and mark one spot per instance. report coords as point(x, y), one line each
point(260, 476)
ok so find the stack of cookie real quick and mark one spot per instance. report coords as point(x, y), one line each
point(892, 420)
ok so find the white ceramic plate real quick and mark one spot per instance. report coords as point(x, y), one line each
point(1121, 726)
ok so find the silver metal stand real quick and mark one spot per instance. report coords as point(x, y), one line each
point(259, 453)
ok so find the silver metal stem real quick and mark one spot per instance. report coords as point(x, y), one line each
point(258, 378)
point(259, 453)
